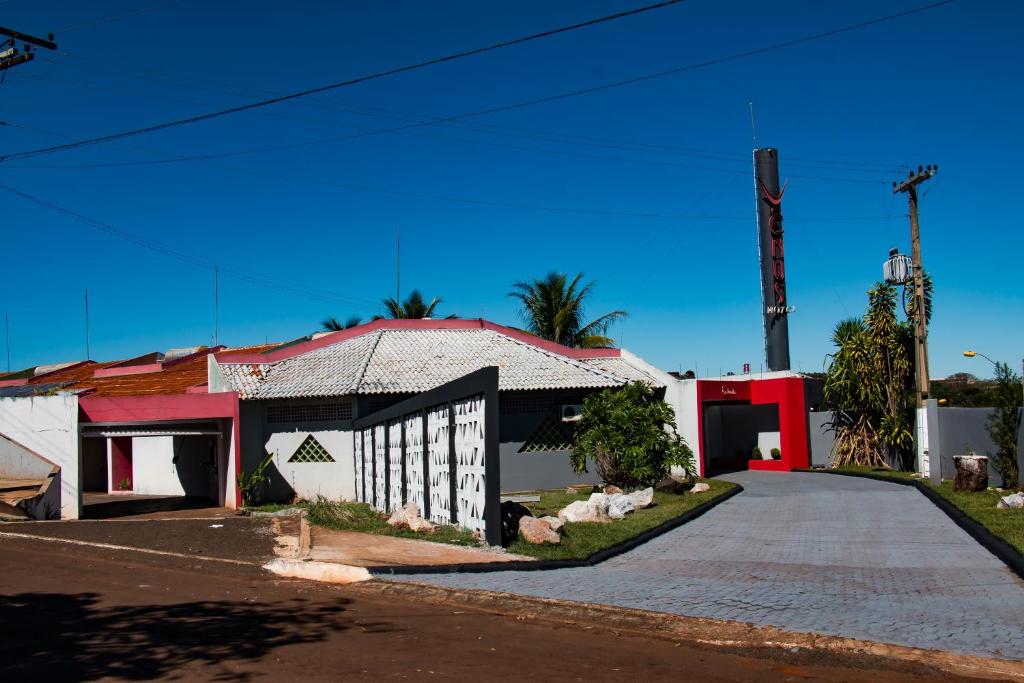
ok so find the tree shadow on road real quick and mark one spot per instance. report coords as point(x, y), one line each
point(57, 637)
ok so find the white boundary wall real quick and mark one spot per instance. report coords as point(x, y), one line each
point(335, 480)
point(681, 394)
point(48, 425)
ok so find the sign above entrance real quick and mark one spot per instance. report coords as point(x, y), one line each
point(725, 391)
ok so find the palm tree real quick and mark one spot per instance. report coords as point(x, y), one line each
point(412, 308)
point(868, 384)
point(332, 324)
point(553, 309)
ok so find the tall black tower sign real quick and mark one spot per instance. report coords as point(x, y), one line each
point(774, 304)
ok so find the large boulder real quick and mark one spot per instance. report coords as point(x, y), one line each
point(619, 505)
point(537, 531)
point(408, 517)
point(642, 499)
point(583, 511)
point(673, 484)
point(511, 513)
point(554, 522)
point(1015, 500)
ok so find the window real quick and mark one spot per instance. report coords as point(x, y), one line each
point(311, 451)
point(310, 412)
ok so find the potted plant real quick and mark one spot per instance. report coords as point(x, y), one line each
point(776, 454)
point(756, 453)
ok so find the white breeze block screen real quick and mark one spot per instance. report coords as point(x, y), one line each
point(439, 450)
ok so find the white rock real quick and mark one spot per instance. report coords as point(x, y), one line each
point(409, 517)
point(599, 499)
point(554, 522)
point(582, 511)
point(619, 505)
point(1015, 500)
point(700, 487)
point(642, 499)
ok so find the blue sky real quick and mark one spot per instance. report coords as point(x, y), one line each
point(508, 196)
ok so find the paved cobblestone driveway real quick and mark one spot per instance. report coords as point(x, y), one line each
point(809, 552)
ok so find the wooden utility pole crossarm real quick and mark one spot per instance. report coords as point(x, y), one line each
point(11, 56)
point(909, 186)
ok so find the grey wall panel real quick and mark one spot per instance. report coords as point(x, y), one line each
point(962, 429)
point(821, 438)
point(539, 471)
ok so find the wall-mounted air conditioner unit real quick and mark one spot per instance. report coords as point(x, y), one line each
point(571, 412)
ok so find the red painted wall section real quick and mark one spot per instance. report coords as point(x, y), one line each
point(120, 463)
point(149, 408)
point(787, 392)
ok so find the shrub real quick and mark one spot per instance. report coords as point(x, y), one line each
point(250, 483)
point(776, 454)
point(631, 437)
point(125, 485)
point(756, 453)
point(1004, 422)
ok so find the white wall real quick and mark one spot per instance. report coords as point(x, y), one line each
point(334, 480)
point(153, 470)
point(48, 425)
point(681, 394)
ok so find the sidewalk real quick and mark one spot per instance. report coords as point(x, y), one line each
point(373, 550)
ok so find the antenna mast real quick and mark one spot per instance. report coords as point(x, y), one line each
point(87, 353)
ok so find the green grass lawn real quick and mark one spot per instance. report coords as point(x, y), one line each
point(981, 506)
point(346, 516)
point(582, 539)
point(878, 471)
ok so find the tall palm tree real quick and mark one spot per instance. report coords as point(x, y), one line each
point(553, 309)
point(413, 307)
point(868, 385)
point(332, 324)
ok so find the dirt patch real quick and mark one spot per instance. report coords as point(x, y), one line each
point(234, 538)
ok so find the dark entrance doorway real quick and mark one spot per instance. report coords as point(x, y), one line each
point(732, 430)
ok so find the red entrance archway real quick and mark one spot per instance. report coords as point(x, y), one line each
point(786, 392)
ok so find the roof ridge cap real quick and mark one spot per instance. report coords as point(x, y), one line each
point(358, 383)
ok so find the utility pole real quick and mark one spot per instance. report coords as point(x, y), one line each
point(7, 339)
point(398, 264)
point(920, 315)
point(11, 56)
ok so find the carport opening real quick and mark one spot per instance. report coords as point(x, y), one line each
point(732, 430)
point(130, 472)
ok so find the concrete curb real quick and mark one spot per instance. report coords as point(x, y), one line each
point(1005, 552)
point(713, 632)
point(541, 565)
point(327, 572)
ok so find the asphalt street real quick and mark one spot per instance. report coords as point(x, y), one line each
point(72, 612)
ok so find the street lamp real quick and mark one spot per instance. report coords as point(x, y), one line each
point(972, 354)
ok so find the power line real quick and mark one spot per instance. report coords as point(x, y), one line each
point(198, 260)
point(491, 110)
point(510, 131)
point(352, 81)
point(316, 180)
